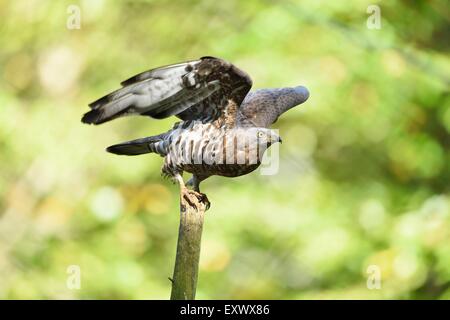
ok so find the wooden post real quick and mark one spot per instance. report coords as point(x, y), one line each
point(185, 274)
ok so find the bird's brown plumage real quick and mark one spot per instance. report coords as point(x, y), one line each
point(211, 96)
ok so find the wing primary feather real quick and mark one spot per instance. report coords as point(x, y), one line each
point(197, 89)
point(157, 72)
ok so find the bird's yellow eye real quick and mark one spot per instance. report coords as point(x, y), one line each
point(260, 134)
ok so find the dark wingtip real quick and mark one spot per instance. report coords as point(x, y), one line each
point(91, 117)
point(208, 57)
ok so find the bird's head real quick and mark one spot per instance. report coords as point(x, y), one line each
point(261, 137)
point(255, 140)
point(267, 137)
point(256, 137)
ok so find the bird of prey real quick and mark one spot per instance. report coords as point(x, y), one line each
point(224, 128)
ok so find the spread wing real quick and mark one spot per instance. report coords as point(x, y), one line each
point(194, 90)
point(261, 108)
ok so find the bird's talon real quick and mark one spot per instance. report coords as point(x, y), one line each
point(194, 198)
point(204, 199)
point(187, 197)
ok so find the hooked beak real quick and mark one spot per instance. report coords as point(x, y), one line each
point(279, 140)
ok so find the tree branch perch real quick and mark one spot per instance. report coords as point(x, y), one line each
point(185, 274)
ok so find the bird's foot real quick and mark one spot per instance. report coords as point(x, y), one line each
point(188, 197)
point(203, 199)
point(194, 198)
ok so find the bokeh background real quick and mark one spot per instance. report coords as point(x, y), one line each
point(364, 169)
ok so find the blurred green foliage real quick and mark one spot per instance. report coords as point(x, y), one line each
point(364, 173)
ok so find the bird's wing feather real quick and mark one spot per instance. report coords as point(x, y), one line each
point(261, 108)
point(195, 90)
